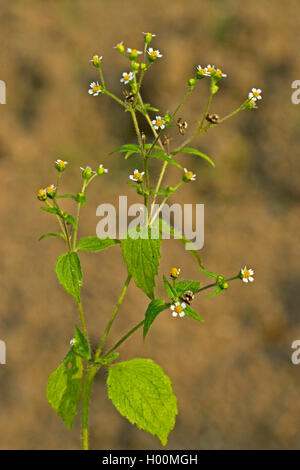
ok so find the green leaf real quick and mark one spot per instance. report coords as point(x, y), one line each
point(196, 152)
point(141, 256)
point(165, 228)
point(69, 218)
point(80, 345)
point(183, 286)
point(64, 388)
point(71, 196)
point(208, 273)
point(142, 392)
point(216, 292)
point(51, 210)
point(155, 307)
point(69, 273)
point(52, 235)
point(192, 314)
point(171, 292)
point(164, 157)
point(95, 243)
point(129, 149)
point(104, 361)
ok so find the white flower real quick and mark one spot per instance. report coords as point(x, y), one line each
point(178, 309)
point(247, 274)
point(203, 71)
point(154, 54)
point(220, 74)
point(126, 77)
point(189, 175)
point(50, 189)
point(158, 123)
point(95, 89)
point(210, 69)
point(96, 59)
point(61, 162)
point(134, 51)
point(152, 34)
point(137, 176)
point(103, 170)
point(255, 94)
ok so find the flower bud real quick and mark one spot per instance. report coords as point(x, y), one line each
point(148, 37)
point(174, 273)
point(120, 47)
point(51, 191)
point(143, 66)
point(225, 285)
point(133, 54)
point(100, 170)
point(87, 172)
point(60, 165)
point(96, 61)
point(135, 66)
point(192, 82)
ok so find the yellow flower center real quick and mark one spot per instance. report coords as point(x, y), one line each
point(61, 163)
point(189, 174)
point(137, 175)
point(178, 309)
point(203, 71)
point(246, 274)
point(219, 72)
point(159, 122)
point(134, 51)
point(96, 88)
point(41, 192)
point(50, 189)
point(255, 94)
point(95, 59)
point(174, 272)
point(153, 53)
point(210, 69)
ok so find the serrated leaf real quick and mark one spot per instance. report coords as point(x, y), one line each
point(52, 235)
point(69, 273)
point(142, 256)
point(171, 292)
point(155, 307)
point(192, 314)
point(142, 392)
point(51, 210)
point(196, 152)
point(80, 345)
point(64, 388)
point(95, 243)
point(183, 286)
point(104, 361)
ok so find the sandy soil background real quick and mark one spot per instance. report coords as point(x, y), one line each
point(235, 383)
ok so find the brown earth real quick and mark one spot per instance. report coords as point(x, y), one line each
point(235, 383)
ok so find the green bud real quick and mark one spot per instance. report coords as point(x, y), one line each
point(220, 280)
point(170, 189)
point(133, 55)
point(135, 66)
point(87, 173)
point(225, 285)
point(60, 165)
point(192, 82)
point(143, 66)
point(148, 37)
point(120, 47)
point(101, 170)
point(51, 191)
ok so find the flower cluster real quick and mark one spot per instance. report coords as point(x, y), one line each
point(210, 71)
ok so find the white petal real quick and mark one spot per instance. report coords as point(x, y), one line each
point(182, 314)
point(183, 305)
point(174, 314)
point(251, 279)
point(245, 280)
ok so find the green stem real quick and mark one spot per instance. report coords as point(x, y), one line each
point(113, 316)
point(88, 384)
point(129, 333)
point(85, 183)
point(82, 319)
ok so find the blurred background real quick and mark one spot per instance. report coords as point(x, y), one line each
point(233, 376)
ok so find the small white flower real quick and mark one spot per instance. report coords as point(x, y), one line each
point(247, 274)
point(189, 175)
point(103, 170)
point(96, 59)
point(152, 34)
point(154, 54)
point(178, 309)
point(255, 94)
point(220, 74)
point(158, 123)
point(95, 89)
point(61, 162)
point(126, 77)
point(137, 175)
point(203, 71)
point(134, 51)
point(210, 69)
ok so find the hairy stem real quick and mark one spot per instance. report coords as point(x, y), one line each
point(88, 384)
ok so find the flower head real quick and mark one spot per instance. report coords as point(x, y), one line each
point(133, 53)
point(178, 309)
point(51, 191)
point(87, 172)
point(174, 273)
point(120, 47)
point(158, 123)
point(42, 194)
point(96, 61)
point(148, 37)
point(255, 94)
point(188, 176)
point(126, 77)
point(218, 74)
point(247, 274)
point(137, 176)
point(154, 54)
point(95, 89)
point(210, 69)
point(60, 165)
point(101, 170)
point(202, 72)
